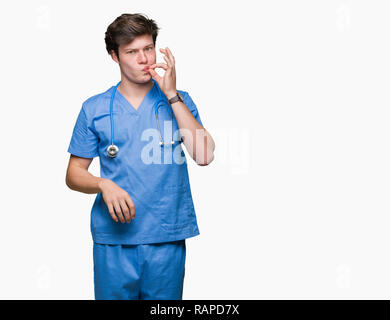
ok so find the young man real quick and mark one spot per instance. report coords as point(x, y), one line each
point(143, 211)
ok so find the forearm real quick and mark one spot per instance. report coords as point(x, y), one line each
point(202, 146)
point(80, 179)
point(198, 141)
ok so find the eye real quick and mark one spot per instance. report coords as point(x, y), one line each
point(131, 51)
point(149, 48)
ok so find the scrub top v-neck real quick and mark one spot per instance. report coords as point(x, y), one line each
point(160, 190)
point(130, 105)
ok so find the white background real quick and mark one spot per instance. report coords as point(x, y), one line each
point(296, 96)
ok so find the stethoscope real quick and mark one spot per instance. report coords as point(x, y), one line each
point(112, 150)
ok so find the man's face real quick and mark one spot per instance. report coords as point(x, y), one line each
point(135, 56)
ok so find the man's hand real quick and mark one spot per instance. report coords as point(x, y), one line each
point(118, 201)
point(168, 82)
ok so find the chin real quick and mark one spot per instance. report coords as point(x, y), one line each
point(141, 80)
point(146, 78)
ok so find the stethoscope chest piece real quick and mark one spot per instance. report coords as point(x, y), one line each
point(112, 150)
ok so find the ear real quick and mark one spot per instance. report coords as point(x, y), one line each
point(114, 56)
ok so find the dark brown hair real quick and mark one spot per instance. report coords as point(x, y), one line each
point(126, 27)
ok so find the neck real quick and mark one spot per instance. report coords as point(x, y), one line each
point(134, 90)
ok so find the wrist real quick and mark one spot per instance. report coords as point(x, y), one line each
point(171, 94)
point(101, 182)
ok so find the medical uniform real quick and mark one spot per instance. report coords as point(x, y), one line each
point(150, 250)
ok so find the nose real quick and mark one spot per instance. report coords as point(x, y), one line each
point(142, 57)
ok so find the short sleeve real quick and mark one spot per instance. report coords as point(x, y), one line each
point(84, 142)
point(191, 106)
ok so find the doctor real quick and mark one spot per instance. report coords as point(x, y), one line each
point(143, 210)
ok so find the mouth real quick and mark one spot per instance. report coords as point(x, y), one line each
point(146, 69)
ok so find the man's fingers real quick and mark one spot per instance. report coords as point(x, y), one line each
point(159, 65)
point(111, 211)
point(131, 206)
point(168, 61)
point(170, 64)
point(162, 66)
point(171, 55)
point(155, 75)
point(125, 210)
point(118, 211)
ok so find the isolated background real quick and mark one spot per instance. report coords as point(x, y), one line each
point(296, 95)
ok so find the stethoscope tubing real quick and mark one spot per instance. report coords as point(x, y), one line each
point(111, 112)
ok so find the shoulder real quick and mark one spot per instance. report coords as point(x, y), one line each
point(96, 103)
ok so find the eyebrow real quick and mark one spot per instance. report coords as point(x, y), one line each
point(151, 44)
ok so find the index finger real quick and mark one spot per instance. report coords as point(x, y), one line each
point(159, 65)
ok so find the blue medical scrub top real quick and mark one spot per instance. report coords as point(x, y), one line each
point(159, 186)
